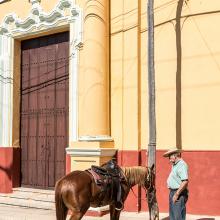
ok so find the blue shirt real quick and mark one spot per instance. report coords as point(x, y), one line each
point(178, 173)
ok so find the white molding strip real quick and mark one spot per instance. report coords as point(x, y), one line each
point(99, 209)
point(99, 138)
point(91, 152)
point(6, 90)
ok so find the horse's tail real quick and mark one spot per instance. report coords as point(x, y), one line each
point(61, 209)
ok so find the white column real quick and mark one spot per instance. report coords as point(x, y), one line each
point(6, 90)
point(73, 86)
point(75, 44)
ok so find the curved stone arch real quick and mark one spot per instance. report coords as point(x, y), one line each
point(64, 14)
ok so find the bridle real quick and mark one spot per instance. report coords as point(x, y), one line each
point(149, 179)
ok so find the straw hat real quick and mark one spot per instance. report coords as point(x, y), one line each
point(172, 151)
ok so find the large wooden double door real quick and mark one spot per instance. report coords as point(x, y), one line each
point(44, 109)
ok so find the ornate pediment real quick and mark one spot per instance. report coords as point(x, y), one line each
point(2, 1)
point(64, 12)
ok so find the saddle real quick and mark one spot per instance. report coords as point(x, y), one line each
point(109, 178)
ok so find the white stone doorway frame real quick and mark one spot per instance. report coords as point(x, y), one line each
point(65, 16)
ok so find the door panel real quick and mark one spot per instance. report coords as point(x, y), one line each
point(44, 109)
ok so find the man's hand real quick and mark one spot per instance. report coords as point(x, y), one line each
point(175, 197)
point(181, 188)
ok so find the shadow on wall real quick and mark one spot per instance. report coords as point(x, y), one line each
point(6, 170)
point(178, 29)
point(167, 218)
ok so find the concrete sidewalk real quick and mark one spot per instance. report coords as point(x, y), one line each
point(18, 213)
point(145, 216)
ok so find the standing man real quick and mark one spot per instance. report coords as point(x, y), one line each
point(177, 183)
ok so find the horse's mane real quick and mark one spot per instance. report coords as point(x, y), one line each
point(135, 175)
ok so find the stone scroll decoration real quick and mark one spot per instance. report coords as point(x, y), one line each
point(38, 20)
point(2, 1)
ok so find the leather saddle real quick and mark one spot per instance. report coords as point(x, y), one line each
point(109, 178)
point(99, 170)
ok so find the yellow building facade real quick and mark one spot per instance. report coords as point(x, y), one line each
point(106, 84)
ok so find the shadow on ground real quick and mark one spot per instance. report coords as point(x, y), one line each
point(205, 219)
point(167, 218)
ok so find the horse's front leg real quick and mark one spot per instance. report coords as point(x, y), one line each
point(77, 214)
point(117, 214)
point(114, 214)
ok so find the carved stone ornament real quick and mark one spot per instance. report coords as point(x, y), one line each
point(34, 1)
point(2, 1)
point(64, 12)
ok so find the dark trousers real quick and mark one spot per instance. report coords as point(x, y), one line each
point(177, 210)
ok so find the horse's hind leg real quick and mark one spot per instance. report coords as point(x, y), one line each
point(76, 215)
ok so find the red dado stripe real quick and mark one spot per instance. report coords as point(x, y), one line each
point(68, 163)
point(130, 158)
point(204, 181)
point(9, 168)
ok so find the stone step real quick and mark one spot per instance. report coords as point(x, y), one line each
point(27, 197)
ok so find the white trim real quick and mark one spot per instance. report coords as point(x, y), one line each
point(99, 138)
point(73, 80)
point(99, 209)
point(6, 90)
point(89, 152)
point(34, 1)
point(65, 14)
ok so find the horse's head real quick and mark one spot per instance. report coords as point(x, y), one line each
point(149, 182)
point(145, 177)
point(151, 194)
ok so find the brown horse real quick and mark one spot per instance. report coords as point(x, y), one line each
point(77, 191)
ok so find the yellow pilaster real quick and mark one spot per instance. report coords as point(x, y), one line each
point(94, 75)
point(95, 146)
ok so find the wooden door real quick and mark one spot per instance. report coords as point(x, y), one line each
point(44, 109)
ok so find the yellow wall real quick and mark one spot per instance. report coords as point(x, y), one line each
point(200, 75)
point(200, 78)
point(124, 73)
point(93, 78)
point(22, 8)
point(15, 6)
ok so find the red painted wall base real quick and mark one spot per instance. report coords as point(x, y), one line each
point(204, 184)
point(68, 164)
point(9, 168)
